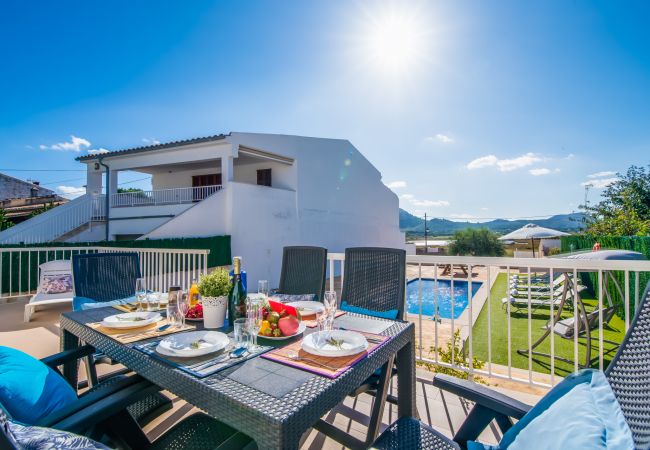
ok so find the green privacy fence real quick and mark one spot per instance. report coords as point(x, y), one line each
point(20, 267)
point(639, 244)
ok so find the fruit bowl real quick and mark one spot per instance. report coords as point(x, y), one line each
point(280, 322)
point(195, 313)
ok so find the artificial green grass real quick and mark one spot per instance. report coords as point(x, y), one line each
point(614, 331)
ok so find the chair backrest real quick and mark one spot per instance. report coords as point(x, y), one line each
point(375, 279)
point(105, 276)
point(629, 374)
point(303, 271)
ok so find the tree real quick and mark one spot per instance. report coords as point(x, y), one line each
point(128, 190)
point(476, 242)
point(4, 222)
point(46, 207)
point(625, 206)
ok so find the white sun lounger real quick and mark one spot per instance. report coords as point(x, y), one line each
point(57, 267)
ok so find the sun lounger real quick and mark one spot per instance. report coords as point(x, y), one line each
point(54, 287)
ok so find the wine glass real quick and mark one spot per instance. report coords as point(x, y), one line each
point(183, 305)
point(140, 294)
point(254, 318)
point(263, 287)
point(329, 301)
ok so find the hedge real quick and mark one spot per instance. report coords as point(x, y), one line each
point(639, 244)
point(20, 269)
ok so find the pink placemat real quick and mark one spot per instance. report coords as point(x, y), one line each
point(322, 365)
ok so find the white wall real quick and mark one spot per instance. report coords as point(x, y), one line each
point(181, 178)
point(282, 175)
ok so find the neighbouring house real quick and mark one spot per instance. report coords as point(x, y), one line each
point(265, 191)
point(20, 199)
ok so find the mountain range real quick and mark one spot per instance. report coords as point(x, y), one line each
point(414, 225)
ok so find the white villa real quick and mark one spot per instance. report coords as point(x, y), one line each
point(265, 191)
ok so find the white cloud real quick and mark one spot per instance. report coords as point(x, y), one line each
point(600, 183)
point(442, 138)
point(504, 165)
point(97, 151)
point(429, 203)
point(406, 196)
point(540, 171)
point(462, 216)
point(150, 141)
point(604, 174)
point(483, 161)
point(484, 208)
point(76, 144)
point(71, 191)
point(396, 185)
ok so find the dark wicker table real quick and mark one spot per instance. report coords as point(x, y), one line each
point(274, 422)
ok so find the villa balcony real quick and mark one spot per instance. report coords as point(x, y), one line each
point(173, 196)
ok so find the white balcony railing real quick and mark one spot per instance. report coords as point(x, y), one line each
point(501, 334)
point(161, 268)
point(56, 222)
point(172, 196)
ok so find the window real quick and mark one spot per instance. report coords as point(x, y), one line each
point(264, 177)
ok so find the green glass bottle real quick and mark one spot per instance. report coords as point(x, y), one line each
point(237, 298)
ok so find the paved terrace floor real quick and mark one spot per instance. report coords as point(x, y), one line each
point(443, 411)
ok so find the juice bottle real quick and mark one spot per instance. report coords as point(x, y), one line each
point(194, 293)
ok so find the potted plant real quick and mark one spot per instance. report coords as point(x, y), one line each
point(214, 289)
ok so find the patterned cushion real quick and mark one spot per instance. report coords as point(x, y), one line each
point(37, 438)
point(288, 298)
point(56, 284)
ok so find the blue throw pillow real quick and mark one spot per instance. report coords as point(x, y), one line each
point(37, 438)
point(389, 314)
point(29, 389)
point(82, 303)
point(580, 412)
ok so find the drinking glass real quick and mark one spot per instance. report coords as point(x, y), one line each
point(263, 287)
point(183, 305)
point(329, 301)
point(173, 314)
point(254, 318)
point(141, 294)
point(153, 301)
point(240, 333)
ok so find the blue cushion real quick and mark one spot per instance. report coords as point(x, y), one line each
point(389, 314)
point(81, 303)
point(580, 412)
point(37, 438)
point(30, 390)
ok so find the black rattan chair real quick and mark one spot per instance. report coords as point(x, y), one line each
point(102, 414)
point(375, 280)
point(303, 271)
point(628, 375)
point(104, 277)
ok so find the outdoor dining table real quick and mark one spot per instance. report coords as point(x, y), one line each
point(273, 403)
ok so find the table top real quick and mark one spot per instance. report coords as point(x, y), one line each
point(271, 402)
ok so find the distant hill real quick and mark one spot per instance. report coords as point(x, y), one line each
point(440, 227)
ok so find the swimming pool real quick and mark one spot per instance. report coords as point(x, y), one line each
point(443, 299)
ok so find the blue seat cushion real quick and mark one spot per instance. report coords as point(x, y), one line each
point(388, 314)
point(37, 438)
point(82, 303)
point(29, 389)
point(580, 412)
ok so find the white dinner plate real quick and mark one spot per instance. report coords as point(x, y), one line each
point(131, 320)
point(308, 308)
point(301, 329)
point(353, 343)
point(180, 345)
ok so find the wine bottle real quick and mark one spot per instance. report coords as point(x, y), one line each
point(237, 298)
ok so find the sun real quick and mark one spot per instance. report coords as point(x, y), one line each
point(394, 41)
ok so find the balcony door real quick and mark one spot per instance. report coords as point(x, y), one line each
point(202, 181)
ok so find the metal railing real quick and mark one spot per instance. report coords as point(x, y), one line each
point(533, 303)
point(163, 196)
point(161, 268)
point(56, 222)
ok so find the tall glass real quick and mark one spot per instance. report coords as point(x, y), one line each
point(263, 287)
point(174, 316)
point(239, 331)
point(183, 305)
point(254, 318)
point(330, 304)
point(141, 294)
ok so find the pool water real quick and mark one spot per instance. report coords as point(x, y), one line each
point(443, 297)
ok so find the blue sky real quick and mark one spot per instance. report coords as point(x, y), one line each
point(469, 109)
